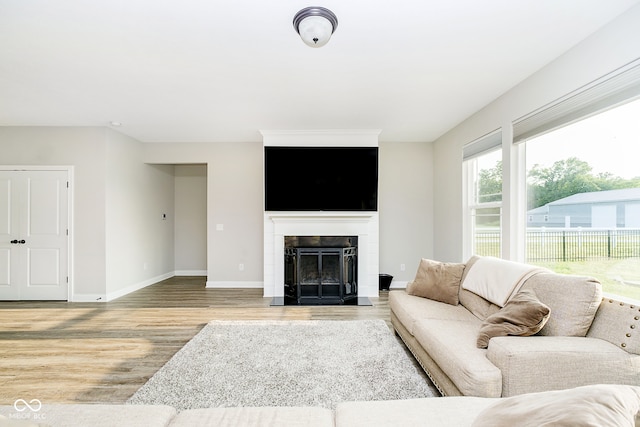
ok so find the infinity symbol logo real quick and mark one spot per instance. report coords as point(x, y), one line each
point(21, 405)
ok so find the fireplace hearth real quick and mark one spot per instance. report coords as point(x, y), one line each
point(321, 270)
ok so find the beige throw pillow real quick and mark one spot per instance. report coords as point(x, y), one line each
point(439, 281)
point(593, 405)
point(522, 315)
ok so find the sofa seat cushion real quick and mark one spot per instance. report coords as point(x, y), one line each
point(452, 345)
point(72, 415)
point(431, 412)
point(573, 301)
point(253, 417)
point(410, 308)
point(565, 361)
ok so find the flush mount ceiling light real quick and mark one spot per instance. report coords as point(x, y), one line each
point(315, 25)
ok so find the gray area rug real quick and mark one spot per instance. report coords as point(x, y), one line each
point(285, 363)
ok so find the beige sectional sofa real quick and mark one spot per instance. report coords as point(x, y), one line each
point(601, 405)
point(573, 371)
point(435, 412)
point(587, 338)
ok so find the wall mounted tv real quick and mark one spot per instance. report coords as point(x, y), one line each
point(321, 178)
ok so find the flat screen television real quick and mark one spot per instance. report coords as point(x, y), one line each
point(321, 178)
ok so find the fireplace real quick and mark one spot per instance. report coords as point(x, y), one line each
point(278, 225)
point(321, 270)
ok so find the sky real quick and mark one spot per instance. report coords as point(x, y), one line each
point(608, 142)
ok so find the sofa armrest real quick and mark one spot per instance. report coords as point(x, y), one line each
point(540, 363)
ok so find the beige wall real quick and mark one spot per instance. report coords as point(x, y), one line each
point(139, 242)
point(85, 150)
point(235, 200)
point(190, 210)
point(117, 202)
point(614, 46)
point(406, 207)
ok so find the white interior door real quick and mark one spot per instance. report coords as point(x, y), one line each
point(34, 225)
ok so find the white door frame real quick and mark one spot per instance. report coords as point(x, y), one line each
point(70, 203)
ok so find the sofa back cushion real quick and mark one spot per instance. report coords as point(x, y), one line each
point(618, 323)
point(480, 307)
point(573, 301)
point(439, 281)
point(496, 279)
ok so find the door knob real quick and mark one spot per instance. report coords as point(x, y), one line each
point(15, 242)
point(22, 242)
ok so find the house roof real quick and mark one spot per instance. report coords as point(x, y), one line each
point(610, 196)
point(207, 71)
point(541, 210)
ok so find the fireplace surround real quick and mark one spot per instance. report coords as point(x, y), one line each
point(279, 225)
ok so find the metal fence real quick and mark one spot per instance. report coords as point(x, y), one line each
point(567, 244)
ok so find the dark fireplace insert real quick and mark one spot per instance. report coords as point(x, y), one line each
point(321, 270)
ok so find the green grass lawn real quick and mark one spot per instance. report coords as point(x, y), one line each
point(612, 273)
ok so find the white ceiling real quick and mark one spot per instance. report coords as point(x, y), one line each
point(208, 71)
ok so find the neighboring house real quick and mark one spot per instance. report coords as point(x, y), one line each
point(598, 209)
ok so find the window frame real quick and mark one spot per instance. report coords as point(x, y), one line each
point(489, 143)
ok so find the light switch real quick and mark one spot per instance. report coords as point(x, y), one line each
point(219, 227)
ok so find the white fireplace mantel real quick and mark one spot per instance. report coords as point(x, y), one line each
point(277, 225)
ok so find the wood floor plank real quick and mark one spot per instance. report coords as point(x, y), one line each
point(62, 352)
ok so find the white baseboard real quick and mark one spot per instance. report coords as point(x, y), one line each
point(230, 284)
point(137, 286)
point(397, 284)
point(88, 298)
point(191, 273)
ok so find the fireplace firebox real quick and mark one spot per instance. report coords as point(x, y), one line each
point(321, 270)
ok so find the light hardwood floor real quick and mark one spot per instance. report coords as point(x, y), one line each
point(61, 352)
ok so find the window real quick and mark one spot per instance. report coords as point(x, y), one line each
point(580, 213)
point(583, 183)
point(483, 198)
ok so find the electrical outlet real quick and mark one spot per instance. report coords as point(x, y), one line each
point(219, 227)
point(241, 267)
point(403, 267)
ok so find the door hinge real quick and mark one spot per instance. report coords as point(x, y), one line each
point(67, 184)
point(67, 231)
point(67, 279)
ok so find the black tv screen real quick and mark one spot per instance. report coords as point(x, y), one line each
point(321, 178)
